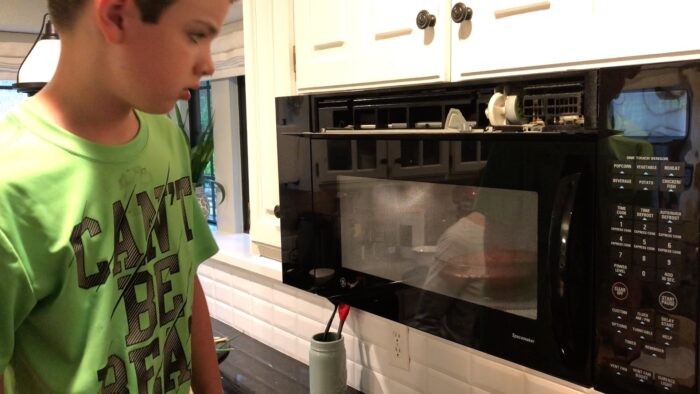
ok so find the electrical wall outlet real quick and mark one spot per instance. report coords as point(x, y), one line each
point(399, 346)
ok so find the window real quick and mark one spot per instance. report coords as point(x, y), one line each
point(223, 101)
point(200, 115)
point(9, 97)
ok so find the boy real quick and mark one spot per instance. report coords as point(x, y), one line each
point(100, 234)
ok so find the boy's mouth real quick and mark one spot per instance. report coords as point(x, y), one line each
point(186, 95)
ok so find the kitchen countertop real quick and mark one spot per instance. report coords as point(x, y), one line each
point(254, 367)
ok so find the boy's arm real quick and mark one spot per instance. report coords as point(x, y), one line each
point(206, 377)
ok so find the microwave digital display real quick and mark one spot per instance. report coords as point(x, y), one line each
point(650, 113)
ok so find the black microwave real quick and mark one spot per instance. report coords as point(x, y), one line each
point(550, 220)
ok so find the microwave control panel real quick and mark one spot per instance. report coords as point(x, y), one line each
point(647, 313)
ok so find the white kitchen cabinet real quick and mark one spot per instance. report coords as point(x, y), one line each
point(342, 44)
point(640, 30)
point(268, 73)
point(514, 36)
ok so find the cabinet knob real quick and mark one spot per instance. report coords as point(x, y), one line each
point(277, 211)
point(425, 20)
point(461, 13)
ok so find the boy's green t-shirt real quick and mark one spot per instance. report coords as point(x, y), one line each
point(99, 246)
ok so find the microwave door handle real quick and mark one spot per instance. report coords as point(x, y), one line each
point(560, 225)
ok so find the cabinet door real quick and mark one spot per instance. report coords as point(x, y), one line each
point(342, 44)
point(324, 51)
point(646, 28)
point(508, 36)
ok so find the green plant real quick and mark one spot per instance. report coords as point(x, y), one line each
point(201, 152)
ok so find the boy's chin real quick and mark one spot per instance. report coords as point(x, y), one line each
point(157, 108)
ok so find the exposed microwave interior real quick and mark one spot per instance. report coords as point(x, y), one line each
point(547, 105)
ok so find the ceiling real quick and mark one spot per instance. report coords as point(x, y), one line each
point(24, 16)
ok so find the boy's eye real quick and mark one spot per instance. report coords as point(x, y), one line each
point(196, 37)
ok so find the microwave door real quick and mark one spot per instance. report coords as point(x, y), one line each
point(560, 227)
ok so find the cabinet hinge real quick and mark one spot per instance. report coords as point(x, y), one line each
point(294, 59)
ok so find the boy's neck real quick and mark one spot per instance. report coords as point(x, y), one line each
point(75, 111)
point(81, 104)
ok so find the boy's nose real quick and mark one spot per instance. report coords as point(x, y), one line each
point(206, 65)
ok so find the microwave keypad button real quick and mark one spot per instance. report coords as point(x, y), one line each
point(620, 291)
point(642, 375)
point(646, 183)
point(645, 214)
point(643, 333)
point(645, 243)
point(619, 369)
point(621, 270)
point(631, 343)
point(654, 350)
point(666, 384)
point(620, 328)
point(671, 185)
point(667, 261)
point(667, 323)
point(644, 318)
point(619, 314)
point(644, 274)
point(622, 183)
point(626, 344)
point(622, 167)
point(668, 300)
point(668, 278)
point(645, 228)
point(622, 211)
point(621, 240)
point(647, 259)
point(669, 216)
point(668, 246)
point(667, 338)
point(621, 225)
point(621, 255)
point(646, 168)
point(672, 169)
point(672, 231)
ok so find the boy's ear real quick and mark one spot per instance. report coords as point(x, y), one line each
point(111, 15)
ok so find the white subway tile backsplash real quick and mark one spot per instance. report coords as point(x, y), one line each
point(448, 358)
point(263, 310)
point(438, 382)
point(222, 292)
point(285, 318)
point(306, 328)
point(374, 382)
point(283, 297)
point(302, 350)
point(284, 341)
point(241, 321)
point(206, 271)
point(476, 390)
point(537, 385)
point(314, 308)
point(261, 291)
point(242, 301)
point(261, 330)
point(496, 378)
point(225, 313)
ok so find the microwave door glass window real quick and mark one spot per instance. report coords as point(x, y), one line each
point(471, 243)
